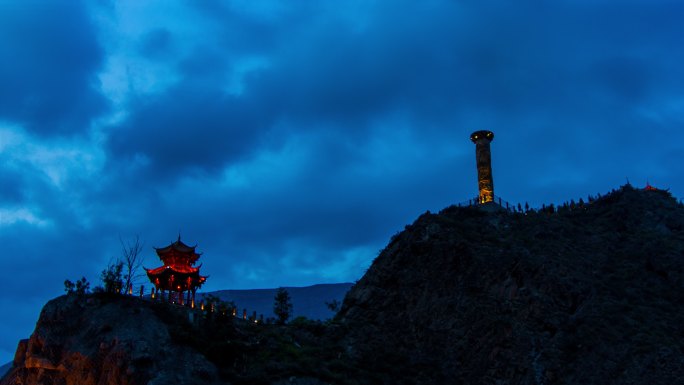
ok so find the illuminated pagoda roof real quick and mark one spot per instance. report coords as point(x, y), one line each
point(650, 187)
point(178, 252)
point(178, 272)
point(171, 279)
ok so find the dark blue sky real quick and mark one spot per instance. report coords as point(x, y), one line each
point(290, 140)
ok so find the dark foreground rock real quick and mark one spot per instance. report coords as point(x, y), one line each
point(103, 340)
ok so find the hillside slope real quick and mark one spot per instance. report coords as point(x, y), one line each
point(592, 295)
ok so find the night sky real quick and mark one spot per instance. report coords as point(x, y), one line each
point(291, 139)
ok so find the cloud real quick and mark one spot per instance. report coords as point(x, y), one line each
point(187, 127)
point(156, 43)
point(307, 127)
point(49, 57)
point(12, 182)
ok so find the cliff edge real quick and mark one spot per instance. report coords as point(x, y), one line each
point(103, 340)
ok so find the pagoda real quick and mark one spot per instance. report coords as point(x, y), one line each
point(177, 276)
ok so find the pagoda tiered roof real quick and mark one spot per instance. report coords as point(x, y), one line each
point(178, 252)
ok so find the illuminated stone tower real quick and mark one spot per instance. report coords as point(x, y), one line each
point(483, 155)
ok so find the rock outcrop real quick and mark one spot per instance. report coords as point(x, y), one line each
point(100, 340)
point(588, 295)
point(107, 339)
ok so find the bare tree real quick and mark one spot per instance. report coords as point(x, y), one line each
point(132, 261)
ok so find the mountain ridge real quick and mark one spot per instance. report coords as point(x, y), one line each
point(589, 293)
point(308, 301)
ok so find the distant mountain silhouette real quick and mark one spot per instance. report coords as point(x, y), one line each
point(308, 301)
point(5, 368)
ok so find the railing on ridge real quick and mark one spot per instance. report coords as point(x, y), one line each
point(200, 306)
point(497, 199)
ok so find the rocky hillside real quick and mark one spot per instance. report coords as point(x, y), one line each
point(589, 294)
point(592, 294)
point(106, 340)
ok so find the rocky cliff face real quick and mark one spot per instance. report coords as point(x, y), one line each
point(100, 339)
point(592, 295)
point(105, 341)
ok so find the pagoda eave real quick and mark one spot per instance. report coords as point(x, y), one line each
point(171, 280)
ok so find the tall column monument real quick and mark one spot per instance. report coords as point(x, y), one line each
point(483, 156)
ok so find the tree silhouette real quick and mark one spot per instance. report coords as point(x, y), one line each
point(112, 279)
point(132, 261)
point(282, 306)
point(81, 287)
point(333, 305)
